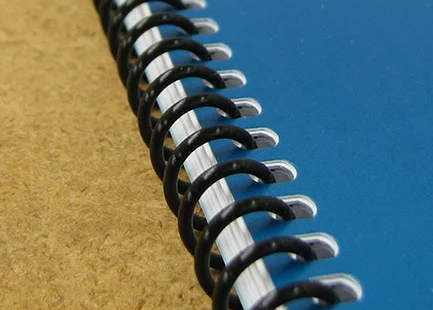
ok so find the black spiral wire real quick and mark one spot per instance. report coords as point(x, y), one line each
point(167, 162)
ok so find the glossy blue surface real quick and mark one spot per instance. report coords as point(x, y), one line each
point(348, 86)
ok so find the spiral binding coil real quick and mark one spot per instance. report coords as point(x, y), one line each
point(167, 162)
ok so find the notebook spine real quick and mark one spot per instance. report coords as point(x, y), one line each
point(167, 163)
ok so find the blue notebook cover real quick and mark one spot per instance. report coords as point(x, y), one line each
point(348, 87)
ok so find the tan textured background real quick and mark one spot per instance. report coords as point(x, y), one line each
point(83, 224)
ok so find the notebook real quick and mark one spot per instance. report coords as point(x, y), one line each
point(335, 99)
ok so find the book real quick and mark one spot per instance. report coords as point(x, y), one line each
point(328, 106)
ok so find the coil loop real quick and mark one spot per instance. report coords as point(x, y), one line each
point(116, 22)
point(221, 296)
point(203, 255)
point(96, 3)
point(105, 10)
point(206, 180)
point(154, 132)
point(174, 113)
point(126, 46)
point(136, 72)
point(306, 289)
point(148, 99)
point(182, 152)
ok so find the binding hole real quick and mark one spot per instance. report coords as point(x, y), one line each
point(282, 170)
point(264, 137)
point(231, 78)
point(301, 206)
point(248, 107)
point(345, 286)
point(194, 4)
point(205, 25)
point(323, 245)
point(218, 51)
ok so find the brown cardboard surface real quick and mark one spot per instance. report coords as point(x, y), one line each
point(83, 222)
